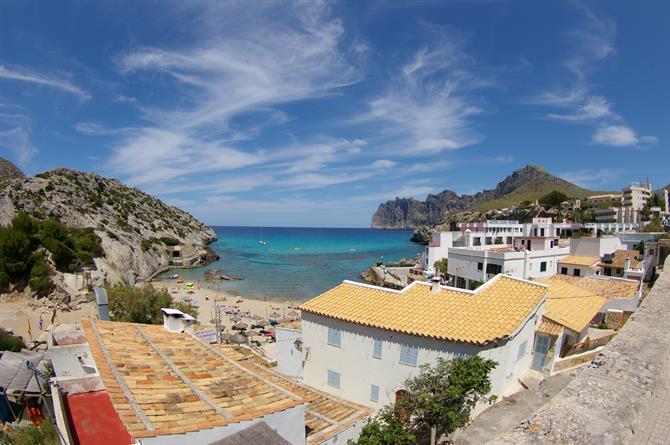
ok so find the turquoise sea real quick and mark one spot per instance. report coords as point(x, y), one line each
point(299, 263)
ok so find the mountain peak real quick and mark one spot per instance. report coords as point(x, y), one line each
point(526, 183)
point(9, 171)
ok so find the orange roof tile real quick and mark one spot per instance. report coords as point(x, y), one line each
point(608, 287)
point(549, 327)
point(579, 260)
point(174, 382)
point(571, 306)
point(491, 312)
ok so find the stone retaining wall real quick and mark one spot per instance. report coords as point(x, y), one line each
point(603, 405)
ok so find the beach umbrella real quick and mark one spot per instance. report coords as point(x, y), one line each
point(239, 339)
point(274, 315)
point(249, 333)
point(261, 323)
point(235, 319)
point(256, 318)
point(225, 337)
point(240, 326)
point(285, 320)
point(294, 313)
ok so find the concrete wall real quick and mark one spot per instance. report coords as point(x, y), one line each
point(359, 370)
point(587, 246)
point(289, 358)
point(611, 398)
point(290, 424)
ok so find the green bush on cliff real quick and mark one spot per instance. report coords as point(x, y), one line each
point(20, 262)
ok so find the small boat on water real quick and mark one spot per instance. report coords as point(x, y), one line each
point(180, 280)
point(174, 276)
point(260, 238)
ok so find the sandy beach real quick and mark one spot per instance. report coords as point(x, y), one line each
point(16, 312)
point(205, 299)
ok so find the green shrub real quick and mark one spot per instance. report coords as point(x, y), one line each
point(44, 434)
point(40, 276)
point(137, 304)
point(169, 241)
point(8, 342)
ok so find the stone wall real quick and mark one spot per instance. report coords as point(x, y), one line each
point(603, 405)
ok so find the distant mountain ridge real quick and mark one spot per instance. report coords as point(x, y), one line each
point(527, 183)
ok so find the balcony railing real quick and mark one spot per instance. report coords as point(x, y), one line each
point(585, 346)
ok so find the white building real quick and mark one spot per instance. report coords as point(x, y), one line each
point(636, 195)
point(606, 200)
point(528, 257)
point(488, 233)
point(362, 342)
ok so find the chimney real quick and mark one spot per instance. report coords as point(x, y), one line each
point(626, 264)
point(436, 285)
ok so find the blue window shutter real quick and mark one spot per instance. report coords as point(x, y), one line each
point(377, 348)
point(374, 393)
point(333, 379)
point(334, 337)
point(408, 355)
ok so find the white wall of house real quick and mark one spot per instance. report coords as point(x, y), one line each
point(471, 264)
point(289, 423)
point(358, 369)
point(289, 358)
point(569, 269)
point(592, 246)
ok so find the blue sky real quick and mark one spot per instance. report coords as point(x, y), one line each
point(311, 113)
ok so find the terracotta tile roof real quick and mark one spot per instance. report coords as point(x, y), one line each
point(608, 287)
point(490, 313)
point(570, 306)
point(619, 259)
point(579, 260)
point(549, 327)
point(325, 414)
point(175, 383)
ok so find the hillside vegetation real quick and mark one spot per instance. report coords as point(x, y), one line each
point(122, 233)
point(524, 184)
point(534, 190)
point(30, 249)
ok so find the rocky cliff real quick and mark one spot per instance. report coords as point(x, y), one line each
point(138, 232)
point(9, 171)
point(409, 213)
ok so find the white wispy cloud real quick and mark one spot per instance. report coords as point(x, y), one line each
point(429, 105)
point(620, 136)
point(17, 141)
point(97, 129)
point(593, 178)
point(242, 64)
point(589, 44)
point(62, 84)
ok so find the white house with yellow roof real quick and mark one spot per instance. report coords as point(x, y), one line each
point(362, 342)
point(566, 321)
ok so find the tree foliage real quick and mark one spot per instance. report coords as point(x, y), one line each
point(553, 199)
point(444, 395)
point(442, 266)
point(23, 262)
point(385, 428)
point(9, 342)
point(440, 396)
point(142, 304)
